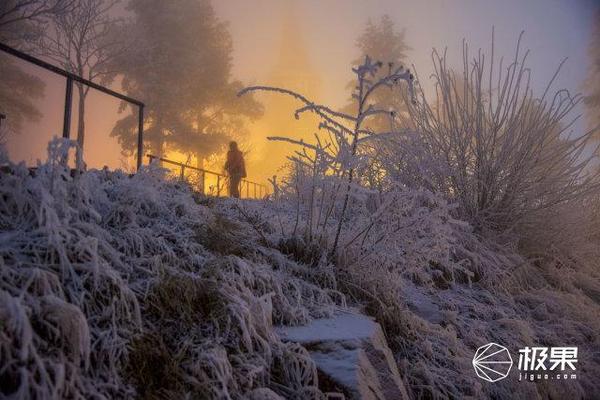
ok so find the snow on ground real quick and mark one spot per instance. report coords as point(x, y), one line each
point(352, 354)
point(340, 327)
point(334, 355)
point(339, 361)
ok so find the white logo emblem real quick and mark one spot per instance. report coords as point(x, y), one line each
point(492, 362)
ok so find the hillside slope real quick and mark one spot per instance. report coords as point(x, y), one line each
point(132, 286)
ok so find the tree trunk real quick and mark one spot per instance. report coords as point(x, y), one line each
point(160, 138)
point(201, 177)
point(79, 163)
point(81, 119)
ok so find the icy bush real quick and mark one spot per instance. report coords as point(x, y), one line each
point(110, 289)
point(507, 157)
point(323, 181)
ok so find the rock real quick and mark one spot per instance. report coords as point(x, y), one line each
point(352, 356)
point(421, 305)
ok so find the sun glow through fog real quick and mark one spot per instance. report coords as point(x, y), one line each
point(309, 47)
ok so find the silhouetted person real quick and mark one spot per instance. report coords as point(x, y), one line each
point(236, 169)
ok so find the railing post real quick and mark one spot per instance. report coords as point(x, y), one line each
point(247, 189)
point(68, 106)
point(218, 185)
point(203, 181)
point(70, 78)
point(182, 173)
point(255, 190)
point(140, 143)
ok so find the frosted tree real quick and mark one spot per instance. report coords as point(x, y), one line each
point(181, 68)
point(381, 40)
point(20, 21)
point(14, 12)
point(84, 41)
point(18, 92)
point(324, 174)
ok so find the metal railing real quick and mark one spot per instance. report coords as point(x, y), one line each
point(69, 95)
point(258, 190)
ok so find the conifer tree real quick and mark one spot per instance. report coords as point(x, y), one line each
point(382, 41)
point(181, 69)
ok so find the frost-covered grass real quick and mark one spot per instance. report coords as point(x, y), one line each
point(121, 286)
point(111, 287)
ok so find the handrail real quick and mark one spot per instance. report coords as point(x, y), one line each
point(180, 164)
point(66, 74)
point(183, 167)
point(69, 95)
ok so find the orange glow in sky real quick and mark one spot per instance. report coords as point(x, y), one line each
point(308, 46)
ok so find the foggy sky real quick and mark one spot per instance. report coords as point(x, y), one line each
point(554, 29)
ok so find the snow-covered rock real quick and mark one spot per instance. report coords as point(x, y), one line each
point(351, 354)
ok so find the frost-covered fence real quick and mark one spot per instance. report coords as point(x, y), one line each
point(198, 178)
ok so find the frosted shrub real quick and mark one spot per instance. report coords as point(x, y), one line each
point(323, 182)
point(505, 156)
point(347, 198)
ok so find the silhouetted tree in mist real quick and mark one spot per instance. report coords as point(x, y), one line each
point(382, 41)
point(18, 91)
point(14, 12)
point(84, 41)
point(20, 22)
point(181, 68)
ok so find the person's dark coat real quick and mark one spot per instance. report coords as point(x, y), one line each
point(235, 165)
